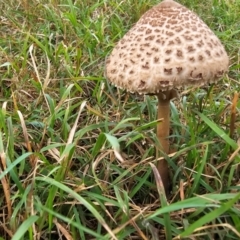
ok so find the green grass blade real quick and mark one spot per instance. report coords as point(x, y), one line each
point(14, 164)
point(24, 227)
point(113, 141)
point(210, 216)
point(79, 198)
point(207, 200)
point(219, 131)
point(164, 203)
point(70, 222)
point(197, 176)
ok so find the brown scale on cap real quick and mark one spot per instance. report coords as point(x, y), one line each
point(168, 43)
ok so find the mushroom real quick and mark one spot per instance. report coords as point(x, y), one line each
point(169, 47)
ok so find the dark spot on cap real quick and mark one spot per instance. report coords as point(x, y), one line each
point(142, 84)
point(199, 76)
point(169, 33)
point(146, 65)
point(208, 53)
point(164, 82)
point(200, 43)
point(172, 21)
point(179, 54)
point(179, 69)
point(200, 58)
point(156, 59)
point(168, 71)
point(187, 37)
point(219, 74)
point(178, 29)
point(192, 59)
point(209, 44)
point(154, 49)
point(169, 51)
point(178, 40)
point(148, 31)
point(191, 49)
point(125, 66)
point(150, 38)
point(141, 29)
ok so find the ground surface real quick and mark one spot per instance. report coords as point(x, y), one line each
point(76, 152)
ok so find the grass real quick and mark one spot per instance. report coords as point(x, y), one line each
point(77, 153)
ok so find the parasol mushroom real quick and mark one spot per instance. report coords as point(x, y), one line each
point(169, 47)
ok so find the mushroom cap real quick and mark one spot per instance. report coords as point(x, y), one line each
point(169, 47)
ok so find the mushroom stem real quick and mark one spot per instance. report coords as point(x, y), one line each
point(163, 134)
